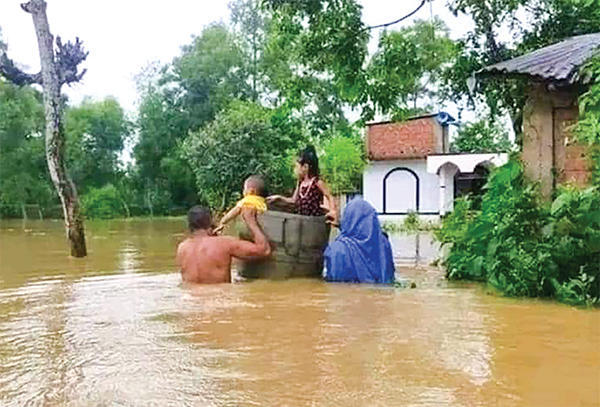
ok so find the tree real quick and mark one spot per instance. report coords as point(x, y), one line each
point(58, 68)
point(160, 174)
point(315, 55)
point(406, 68)
point(535, 24)
point(96, 132)
point(252, 28)
point(482, 136)
point(329, 37)
point(23, 173)
point(209, 74)
point(244, 139)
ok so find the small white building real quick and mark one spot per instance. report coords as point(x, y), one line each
point(410, 168)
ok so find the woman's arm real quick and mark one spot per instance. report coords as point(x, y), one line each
point(291, 201)
point(329, 204)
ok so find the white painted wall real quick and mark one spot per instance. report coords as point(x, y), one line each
point(401, 186)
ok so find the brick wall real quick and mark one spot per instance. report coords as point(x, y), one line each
point(416, 138)
point(550, 153)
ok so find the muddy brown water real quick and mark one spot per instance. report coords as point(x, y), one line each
point(119, 329)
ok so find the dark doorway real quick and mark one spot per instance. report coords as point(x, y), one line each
point(471, 182)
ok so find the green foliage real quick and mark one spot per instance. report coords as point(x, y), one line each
point(163, 121)
point(523, 247)
point(407, 67)
point(328, 37)
point(96, 132)
point(411, 223)
point(209, 74)
point(588, 127)
point(481, 136)
point(244, 139)
point(534, 24)
point(103, 203)
point(342, 162)
point(24, 177)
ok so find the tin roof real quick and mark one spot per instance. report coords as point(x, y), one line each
point(557, 62)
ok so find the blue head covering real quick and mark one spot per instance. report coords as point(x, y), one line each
point(361, 253)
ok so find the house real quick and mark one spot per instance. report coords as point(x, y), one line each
point(550, 153)
point(410, 168)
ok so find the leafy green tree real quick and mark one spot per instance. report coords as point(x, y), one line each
point(535, 24)
point(407, 66)
point(588, 127)
point(244, 139)
point(23, 173)
point(209, 74)
point(329, 37)
point(482, 136)
point(314, 61)
point(251, 27)
point(96, 132)
point(161, 176)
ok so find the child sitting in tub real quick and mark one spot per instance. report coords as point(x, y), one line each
point(254, 188)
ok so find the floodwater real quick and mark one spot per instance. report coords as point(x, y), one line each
point(119, 329)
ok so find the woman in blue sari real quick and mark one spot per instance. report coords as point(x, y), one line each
point(361, 253)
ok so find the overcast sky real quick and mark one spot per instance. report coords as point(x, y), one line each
point(122, 36)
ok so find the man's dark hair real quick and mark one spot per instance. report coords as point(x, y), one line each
point(199, 218)
point(258, 183)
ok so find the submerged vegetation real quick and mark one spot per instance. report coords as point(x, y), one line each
point(411, 223)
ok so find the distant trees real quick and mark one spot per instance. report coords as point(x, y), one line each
point(245, 96)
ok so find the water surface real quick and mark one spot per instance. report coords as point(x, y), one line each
point(119, 329)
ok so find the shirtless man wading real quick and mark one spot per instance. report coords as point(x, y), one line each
point(206, 259)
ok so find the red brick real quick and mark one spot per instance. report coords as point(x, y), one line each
point(410, 139)
point(576, 164)
point(580, 178)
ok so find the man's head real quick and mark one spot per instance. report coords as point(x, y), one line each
point(254, 185)
point(199, 218)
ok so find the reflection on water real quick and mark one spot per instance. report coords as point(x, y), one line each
point(119, 328)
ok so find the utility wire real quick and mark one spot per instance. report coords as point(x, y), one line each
point(400, 19)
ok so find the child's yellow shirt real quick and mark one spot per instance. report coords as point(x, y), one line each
point(253, 201)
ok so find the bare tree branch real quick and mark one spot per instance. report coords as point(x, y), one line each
point(10, 71)
point(68, 57)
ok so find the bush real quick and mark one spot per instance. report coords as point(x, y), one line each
point(244, 139)
point(103, 203)
point(341, 163)
point(523, 246)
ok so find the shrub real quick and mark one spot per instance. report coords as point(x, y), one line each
point(523, 246)
point(341, 163)
point(103, 203)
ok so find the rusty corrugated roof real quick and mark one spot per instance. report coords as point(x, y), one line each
point(557, 62)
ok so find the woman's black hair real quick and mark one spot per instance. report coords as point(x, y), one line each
point(309, 156)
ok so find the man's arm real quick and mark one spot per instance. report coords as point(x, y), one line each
point(179, 256)
point(260, 247)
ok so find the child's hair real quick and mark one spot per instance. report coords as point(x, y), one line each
point(309, 156)
point(258, 183)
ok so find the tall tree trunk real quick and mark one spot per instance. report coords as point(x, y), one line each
point(55, 137)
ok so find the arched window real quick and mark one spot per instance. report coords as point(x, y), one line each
point(403, 189)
